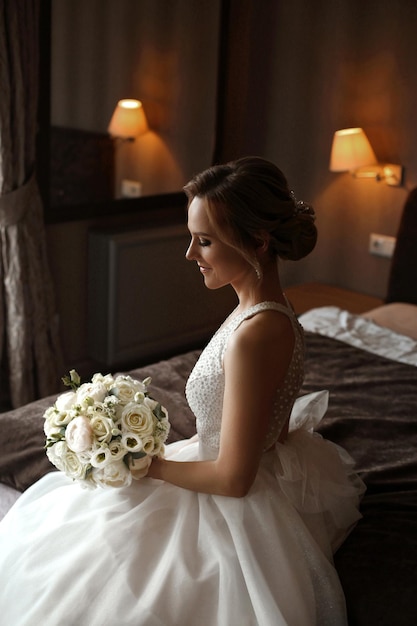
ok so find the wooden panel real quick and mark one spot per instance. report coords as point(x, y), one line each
point(145, 300)
point(82, 167)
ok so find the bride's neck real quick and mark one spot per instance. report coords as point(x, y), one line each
point(266, 288)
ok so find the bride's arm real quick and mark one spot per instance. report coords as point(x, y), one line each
point(255, 363)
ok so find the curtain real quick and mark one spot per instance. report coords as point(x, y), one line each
point(29, 340)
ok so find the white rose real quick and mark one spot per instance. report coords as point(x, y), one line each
point(126, 388)
point(138, 418)
point(102, 428)
point(79, 434)
point(114, 474)
point(94, 391)
point(65, 401)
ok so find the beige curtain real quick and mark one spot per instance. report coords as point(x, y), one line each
point(29, 344)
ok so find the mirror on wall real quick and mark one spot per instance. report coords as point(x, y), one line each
point(163, 53)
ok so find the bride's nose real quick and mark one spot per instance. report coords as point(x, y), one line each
point(189, 254)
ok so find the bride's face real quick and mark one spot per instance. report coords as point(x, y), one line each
point(219, 263)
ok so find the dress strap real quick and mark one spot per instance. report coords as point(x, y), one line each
point(264, 306)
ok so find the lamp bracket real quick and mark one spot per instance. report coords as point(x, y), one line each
point(391, 173)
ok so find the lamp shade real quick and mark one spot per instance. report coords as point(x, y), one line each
point(128, 120)
point(350, 150)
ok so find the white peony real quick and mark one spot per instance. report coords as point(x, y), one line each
point(65, 401)
point(52, 431)
point(79, 434)
point(56, 453)
point(66, 460)
point(107, 380)
point(114, 474)
point(91, 392)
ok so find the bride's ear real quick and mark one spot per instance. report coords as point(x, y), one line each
point(262, 242)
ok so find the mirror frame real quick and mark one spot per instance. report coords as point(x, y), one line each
point(94, 210)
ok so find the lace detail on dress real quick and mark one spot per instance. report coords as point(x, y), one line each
point(205, 386)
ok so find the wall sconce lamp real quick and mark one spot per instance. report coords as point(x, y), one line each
point(352, 152)
point(128, 120)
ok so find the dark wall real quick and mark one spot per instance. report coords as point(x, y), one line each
point(294, 72)
point(297, 72)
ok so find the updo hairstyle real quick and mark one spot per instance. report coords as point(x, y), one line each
point(249, 197)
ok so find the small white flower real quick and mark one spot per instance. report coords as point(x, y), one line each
point(148, 444)
point(117, 450)
point(60, 418)
point(101, 457)
point(131, 442)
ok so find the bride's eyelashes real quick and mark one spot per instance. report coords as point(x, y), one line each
point(204, 242)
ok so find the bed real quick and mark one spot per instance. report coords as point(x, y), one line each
point(369, 365)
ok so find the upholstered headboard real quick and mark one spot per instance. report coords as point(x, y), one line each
point(402, 284)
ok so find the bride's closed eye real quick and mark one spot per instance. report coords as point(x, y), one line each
point(204, 242)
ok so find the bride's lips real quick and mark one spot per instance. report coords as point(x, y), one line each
point(203, 269)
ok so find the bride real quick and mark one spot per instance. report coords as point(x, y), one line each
point(238, 525)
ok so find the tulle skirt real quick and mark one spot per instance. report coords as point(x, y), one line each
point(154, 554)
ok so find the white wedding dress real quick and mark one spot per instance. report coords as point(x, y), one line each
point(153, 554)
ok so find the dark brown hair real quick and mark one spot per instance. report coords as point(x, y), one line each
point(249, 197)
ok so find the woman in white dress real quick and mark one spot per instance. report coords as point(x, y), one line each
point(238, 525)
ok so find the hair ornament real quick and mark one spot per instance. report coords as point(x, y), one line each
point(301, 207)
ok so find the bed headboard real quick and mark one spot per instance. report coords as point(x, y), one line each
point(402, 283)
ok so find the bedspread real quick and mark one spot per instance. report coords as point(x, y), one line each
point(373, 414)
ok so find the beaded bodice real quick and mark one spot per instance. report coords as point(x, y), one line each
point(205, 386)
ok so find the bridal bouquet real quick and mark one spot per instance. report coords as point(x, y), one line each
point(104, 432)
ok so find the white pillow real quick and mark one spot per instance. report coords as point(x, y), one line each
point(399, 317)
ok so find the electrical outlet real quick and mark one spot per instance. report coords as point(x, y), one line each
point(131, 188)
point(382, 245)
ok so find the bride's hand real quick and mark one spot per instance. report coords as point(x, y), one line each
point(155, 467)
